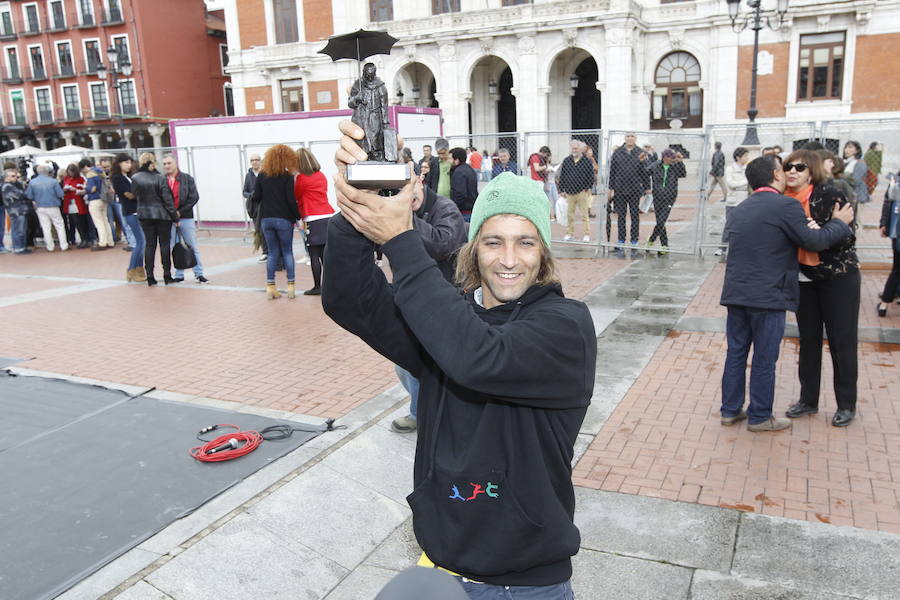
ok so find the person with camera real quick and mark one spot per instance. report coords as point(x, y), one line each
point(506, 374)
point(664, 176)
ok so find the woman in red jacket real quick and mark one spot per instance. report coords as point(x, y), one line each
point(74, 208)
point(311, 192)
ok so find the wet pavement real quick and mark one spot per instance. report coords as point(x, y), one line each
point(670, 504)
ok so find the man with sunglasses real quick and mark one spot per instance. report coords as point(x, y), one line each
point(761, 283)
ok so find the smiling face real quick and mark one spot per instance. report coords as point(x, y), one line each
point(509, 258)
point(795, 179)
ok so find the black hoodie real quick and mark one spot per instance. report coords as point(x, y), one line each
point(503, 393)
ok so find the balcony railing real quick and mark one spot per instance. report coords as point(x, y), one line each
point(16, 120)
point(13, 79)
point(7, 34)
point(101, 114)
point(45, 117)
point(113, 17)
point(130, 111)
point(39, 75)
point(32, 28)
point(66, 70)
point(73, 114)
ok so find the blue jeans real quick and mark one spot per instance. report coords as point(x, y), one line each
point(486, 591)
point(763, 329)
point(136, 241)
point(2, 225)
point(280, 241)
point(411, 384)
point(187, 230)
point(18, 227)
point(115, 214)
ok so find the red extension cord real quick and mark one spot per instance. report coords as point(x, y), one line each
point(250, 440)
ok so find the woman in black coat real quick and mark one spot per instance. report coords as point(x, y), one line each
point(890, 227)
point(829, 295)
point(156, 211)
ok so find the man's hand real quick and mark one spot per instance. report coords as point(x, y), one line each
point(883, 231)
point(379, 218)
point(811, 223)
point(350, 152)
point(843, 213)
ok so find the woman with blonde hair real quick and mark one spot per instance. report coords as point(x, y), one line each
point(829, 293)
point(156, 212)
point(311, 193)
point(273, 199)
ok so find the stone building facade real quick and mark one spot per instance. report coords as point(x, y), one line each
point(508, 65)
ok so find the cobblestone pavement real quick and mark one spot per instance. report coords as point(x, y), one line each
point(670, 503)
point(72, 313)
point(664, 438)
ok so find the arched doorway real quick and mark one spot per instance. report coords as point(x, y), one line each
point(415, 85)
point(574, 101)
point(677, 98)
point(492, 107)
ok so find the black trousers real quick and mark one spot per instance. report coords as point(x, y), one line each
point(893, 280)
point(624, 204)
point(316, 258)
point(661, 208)
point(833, 303)
point(76, 222)
point(157, 231)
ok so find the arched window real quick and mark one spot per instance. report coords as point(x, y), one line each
point(677, 96)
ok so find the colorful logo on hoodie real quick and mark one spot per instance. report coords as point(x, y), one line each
point(491, 490)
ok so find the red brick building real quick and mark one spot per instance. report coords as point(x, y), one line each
point(54, 52)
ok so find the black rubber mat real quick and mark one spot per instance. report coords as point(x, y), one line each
point(89, 473)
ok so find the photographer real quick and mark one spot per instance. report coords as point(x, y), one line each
point(664, 176)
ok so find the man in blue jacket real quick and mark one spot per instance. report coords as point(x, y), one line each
point(761, 283)
point(506, 374)
point(47, 196)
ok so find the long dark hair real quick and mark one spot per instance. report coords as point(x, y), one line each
point(72, 170)
point(116, 168)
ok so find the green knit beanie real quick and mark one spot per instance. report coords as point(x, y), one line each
point(509, 194)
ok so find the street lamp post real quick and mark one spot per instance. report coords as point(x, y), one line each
point(755, 19)
point(117, 67)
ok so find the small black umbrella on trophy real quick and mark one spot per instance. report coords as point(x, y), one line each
point(369, 101)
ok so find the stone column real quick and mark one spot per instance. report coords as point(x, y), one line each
point(42, 141)
point(67, 135)
point(127, 133)
point(156, 130)
point(617, 106)
point(527, 110)
point(16, 140)
point(452, 103)
point(95, 140)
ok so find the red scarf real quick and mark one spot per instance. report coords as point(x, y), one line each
point(806, 257)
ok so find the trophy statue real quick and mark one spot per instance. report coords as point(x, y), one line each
point(369, 101)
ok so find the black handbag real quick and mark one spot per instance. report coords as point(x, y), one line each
point(183, 256)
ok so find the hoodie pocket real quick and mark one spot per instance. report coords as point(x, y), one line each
point(473, 523)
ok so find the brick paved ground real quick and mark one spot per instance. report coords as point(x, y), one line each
point(706, 302)
point(284, 354)
point(665, 440)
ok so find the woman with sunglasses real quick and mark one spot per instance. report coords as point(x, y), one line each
point(829, 293)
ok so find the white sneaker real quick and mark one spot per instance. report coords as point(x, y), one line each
point(567, 238)
point(303, 261)
point(718, 252)
point(263, 258)
point(586, 238)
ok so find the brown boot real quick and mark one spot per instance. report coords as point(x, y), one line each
point(139, 274)
point(129, 275)
point(291, 291)
point(272, 291)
